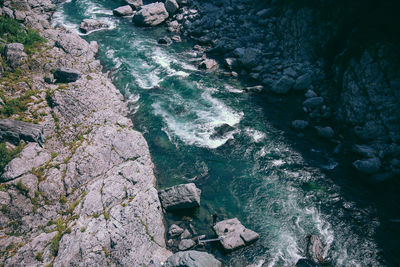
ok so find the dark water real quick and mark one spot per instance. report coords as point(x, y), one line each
point(255, 172)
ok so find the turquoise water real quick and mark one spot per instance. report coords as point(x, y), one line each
point(254, 173)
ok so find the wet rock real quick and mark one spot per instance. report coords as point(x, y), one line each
point(185, 235)
point(89, 25)
point(164, 41)
point(299, 124)
point(313, 102)
point(192, 258)
point(151, 15)
point(220, 131)
point(310, 93)
point(364, 150)
point(234, 235)
point(180, 197)
point(171, 6)
point(66, 75)
point(315, 249)
point(325, 132)
point(208, 64)
point(186, 244)
point(176, 38)
point(123, 11)
point(175, 230)
point(303, 82)
point(250, 57)
point(14, 131)
point(135, 4)
point(368, 166)
point(283, 85)
point(15, 55)
point(257, 88)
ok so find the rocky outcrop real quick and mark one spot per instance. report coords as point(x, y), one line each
point(135, 4)
point(233, 234)
point(89, 25)
point(87, 196)
point(192, 259)
point(15, 55)
point(123, 11)
point(180, 197)
point(151, 15)
point(14, 131)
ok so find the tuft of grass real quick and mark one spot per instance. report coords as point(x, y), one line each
point(22, 188)
point(39, 256)
point(15, 105)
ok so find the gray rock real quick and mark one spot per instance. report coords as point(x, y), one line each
point(151, 15)
point(180, 197)
point(19, 15)
point(315, 249)
point(234, 235)
point(310, 93)
point(186, 244)
point(283, 85)
point(175, 230)
point(208, 64)
point(15, 55)
point(299, 124)
point(303, 82)
point(185, 235)
point(171, 6)
point(325, 132)
point(66, 75)
point(250, 57)
point(365, 150)
point(192, 258)
point(123, 11)
point(88, 25)
point(368, 166)
point(313, 102)
point(14, 131)
point(135, 4)
point(8, 13)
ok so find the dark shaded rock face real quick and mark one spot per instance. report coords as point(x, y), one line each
point(66, 75)
point(346, 52)
point(14, 131)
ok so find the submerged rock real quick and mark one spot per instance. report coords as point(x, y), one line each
point(192, 258)
point(123, 11)
point(171, 6)
point(299, 124)
point(283, 85)
point(234, 235)
point(66, 75)
point(306, 263)
point(220, 131)
point(325, 132)
point(180, 197)
point(151, 15)
point(89, 25)
point(368, 166)
point(14, 131)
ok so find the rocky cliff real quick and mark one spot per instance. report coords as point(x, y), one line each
point(85, 196)
point(339, 57)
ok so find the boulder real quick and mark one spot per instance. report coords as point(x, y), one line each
point(185, 235)
point(303, 82)
point(175, 230)
point(192, 258)
point(207, 64)
point(135, 4)
point(325, 132)
point(233, 234)
point(310, 93)
point(151, 15)
point(368, 166)
point(250, 57)
point(123, 11)
point(66, 75)
point(89, 25)
point(283, 85)
point(14, 131)
point(220, 131)
point(15, 55)
point(171, 6)
point(164, 40)
point(186, 244)
point(299, 124)
point(315, 249)
point(313, 102)
point(180, 197)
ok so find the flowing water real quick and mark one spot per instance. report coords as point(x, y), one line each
point(253, 172)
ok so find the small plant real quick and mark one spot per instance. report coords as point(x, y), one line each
point(6, 155)
point(54, 155)
point(22, 188)
point(63, 200)
point(83, 229)
point(39, 256)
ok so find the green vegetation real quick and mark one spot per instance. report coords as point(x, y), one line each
point(6, 155)
point(15, 105)
point(11, 31)
point(39, 256)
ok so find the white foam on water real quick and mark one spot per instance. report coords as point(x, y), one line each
point(257, 136)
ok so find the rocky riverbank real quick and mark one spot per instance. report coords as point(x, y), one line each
point(86, 195)
point(340, 65)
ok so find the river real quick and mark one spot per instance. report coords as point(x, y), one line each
point(254, 172)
